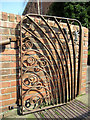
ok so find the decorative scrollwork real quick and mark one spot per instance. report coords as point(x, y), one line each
point(36, 100)
point(49, 61)
point(33, 80)
point(27, 45)
point(31, 60)
point(43, 62)
point(36, 69)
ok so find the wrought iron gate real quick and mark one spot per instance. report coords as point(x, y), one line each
point(51, 52)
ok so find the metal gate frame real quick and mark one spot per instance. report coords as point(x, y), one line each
point(63, 96)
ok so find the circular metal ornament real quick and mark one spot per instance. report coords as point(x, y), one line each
point(43, 62)
point(31, 60)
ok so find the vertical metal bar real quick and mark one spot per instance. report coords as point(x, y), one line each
point(41, 8)
point(38, 7)
point(74, 60)
point(21, 63)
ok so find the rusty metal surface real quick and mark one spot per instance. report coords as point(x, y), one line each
point(50, 66)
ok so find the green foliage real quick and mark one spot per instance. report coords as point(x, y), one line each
point(89, 50)
point(77, 10)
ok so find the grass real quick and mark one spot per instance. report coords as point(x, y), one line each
point(89, 50)
point(81, 95)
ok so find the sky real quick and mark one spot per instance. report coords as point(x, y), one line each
point(12, 6)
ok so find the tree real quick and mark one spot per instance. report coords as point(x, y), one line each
point(76, 10)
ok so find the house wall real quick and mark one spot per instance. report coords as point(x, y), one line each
point(32, 7)
point(9, 61)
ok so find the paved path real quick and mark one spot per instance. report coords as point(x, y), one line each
point(83, 98)
point(72, 110)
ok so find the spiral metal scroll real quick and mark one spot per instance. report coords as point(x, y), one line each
point(50, 61)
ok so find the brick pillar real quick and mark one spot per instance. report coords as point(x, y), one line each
point(84, 60)
point(9, 59)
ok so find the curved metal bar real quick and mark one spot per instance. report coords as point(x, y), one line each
point(44, 57)
point(38, 53)
point(38, 92)
point(37, 89)
point(62, 51)
point(41, 70)
point(51, 43)
point(36, 74)
point(74, 58)
point(69, 57)
point(80, 48)
point(49, 62)
point(61, 59)
point(48, 16)
point(41, 54)
point(51, 56)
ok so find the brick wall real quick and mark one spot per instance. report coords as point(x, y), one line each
point(9, 56)
point(84, 59)
point(9, 60)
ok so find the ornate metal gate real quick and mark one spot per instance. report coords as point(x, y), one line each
point(51, 52)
